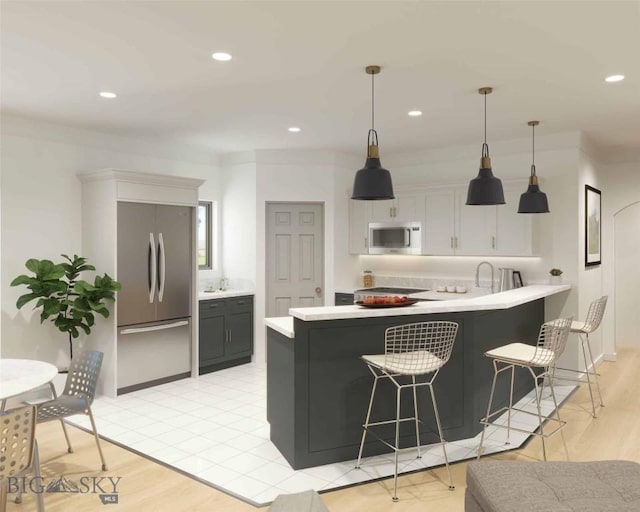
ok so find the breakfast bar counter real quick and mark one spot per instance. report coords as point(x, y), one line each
point(318, 388)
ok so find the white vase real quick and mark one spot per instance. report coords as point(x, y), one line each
point(555, 279)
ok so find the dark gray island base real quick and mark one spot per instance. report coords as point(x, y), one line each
point(318, 388)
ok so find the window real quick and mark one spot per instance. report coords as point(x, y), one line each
point(205, 256)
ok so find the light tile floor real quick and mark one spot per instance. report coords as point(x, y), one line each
point(214, 428)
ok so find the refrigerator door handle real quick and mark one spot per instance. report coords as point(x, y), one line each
point(151, 266)
point(134, 330)
point(162, 267)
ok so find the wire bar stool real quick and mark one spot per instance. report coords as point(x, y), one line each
point(583, 329)
point(411, 350)
point(552, 340)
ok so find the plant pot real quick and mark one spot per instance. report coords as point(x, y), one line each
point(555, 279)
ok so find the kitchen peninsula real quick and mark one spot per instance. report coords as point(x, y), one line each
point(318, 388)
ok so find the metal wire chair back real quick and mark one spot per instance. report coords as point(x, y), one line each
point(17, 431)
point(552, 341)
point(595, 314)
point(421, 347)
point(83, 374)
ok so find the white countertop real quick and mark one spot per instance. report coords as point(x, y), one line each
point(282, 324)
point(202, 295)
point(474, 300)
point(471, 302)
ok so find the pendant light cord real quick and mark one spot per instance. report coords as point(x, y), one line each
point(485, 147)
point(373, 117)
point(485, 118)
point(533, 150)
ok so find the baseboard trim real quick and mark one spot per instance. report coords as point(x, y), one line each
point(611, 356)
point(151, 383)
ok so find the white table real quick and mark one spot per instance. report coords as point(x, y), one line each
point(18, 376)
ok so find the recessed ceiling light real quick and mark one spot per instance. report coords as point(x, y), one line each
point(294, 129)
point(107, 94)
point(614, 78)
point(415, 113)
point(221, 56)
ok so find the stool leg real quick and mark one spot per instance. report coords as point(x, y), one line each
point(415, 413)
point(593, 368)
point(493, 388)
point(442, 441)
point(513, 370)
point(397, 445)
point(588, 372)
point(557, 409)
point(366, 421)
point(596, 374)
point(540, 421)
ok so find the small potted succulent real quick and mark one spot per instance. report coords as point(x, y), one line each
point(555, 276)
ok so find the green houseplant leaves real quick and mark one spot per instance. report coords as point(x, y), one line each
point(69, 302)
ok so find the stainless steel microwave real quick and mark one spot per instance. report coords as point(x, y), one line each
point(395, 238)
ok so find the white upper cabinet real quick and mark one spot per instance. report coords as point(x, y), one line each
point(475, 228)
point(513, 230)
point(404, 208)
point(382, 211)
point(449, 226)
point(359, 215)
point(438, 228)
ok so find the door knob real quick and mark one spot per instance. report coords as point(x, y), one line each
point(318, 290)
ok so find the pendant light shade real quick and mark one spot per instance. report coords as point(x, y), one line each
point(533, 200)
point(485, 189)
point(372, 182)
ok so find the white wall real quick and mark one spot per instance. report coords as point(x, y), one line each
point(40, 209)
point(238, 218)
point(292, 176)
point(590, 278)
point(627, 276)
point(620, 188)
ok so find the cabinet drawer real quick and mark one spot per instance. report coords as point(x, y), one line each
point(210, 308)
point(344, 299)
point(240, 303)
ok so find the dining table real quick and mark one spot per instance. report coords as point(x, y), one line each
point(19, 376)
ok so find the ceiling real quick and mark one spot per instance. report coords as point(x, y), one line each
point(302, 63)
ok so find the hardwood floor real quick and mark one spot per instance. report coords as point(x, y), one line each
point(147, 486)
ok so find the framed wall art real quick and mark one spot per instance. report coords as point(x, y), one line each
point(592, 226)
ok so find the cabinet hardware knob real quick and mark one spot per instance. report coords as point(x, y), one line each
point(318, 290)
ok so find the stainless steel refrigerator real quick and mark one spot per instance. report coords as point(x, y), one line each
point(155, 264)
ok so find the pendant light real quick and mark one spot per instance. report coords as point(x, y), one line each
point(533, 200)
point(485, 189)
point(372, 182)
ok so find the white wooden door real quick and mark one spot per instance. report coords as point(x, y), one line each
point(295, 262)
point(439, 225)
point(475, 228)
point(359, 215)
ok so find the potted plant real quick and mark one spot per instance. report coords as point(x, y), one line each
point(69, 302)
point(556, 276)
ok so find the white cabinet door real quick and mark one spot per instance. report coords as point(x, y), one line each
point(409, 208)
point(475, 228)
point(382, 211)
point(439, 225)
point(359, 214)
point(513, 230)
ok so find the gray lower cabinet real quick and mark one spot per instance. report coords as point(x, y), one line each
point(344, 299)
point(226, 332)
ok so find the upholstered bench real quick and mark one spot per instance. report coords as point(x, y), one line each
point(515, 486)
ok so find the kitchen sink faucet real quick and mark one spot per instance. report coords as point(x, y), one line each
point(478, 274)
